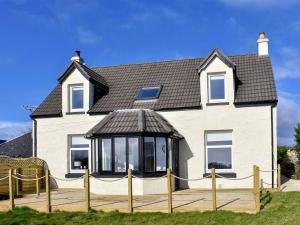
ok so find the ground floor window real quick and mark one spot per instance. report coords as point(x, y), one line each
point(219, 150)
point(155, 154)
point(141, 154)
point(119, 153)
point(79, 153)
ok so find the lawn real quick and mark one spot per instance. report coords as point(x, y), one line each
point(280, 208)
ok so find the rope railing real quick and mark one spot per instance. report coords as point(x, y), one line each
point(22, 175)
point(263, 182)
point(229, 178)
point(192, 179)
point(267, 171)
point(149, 178)
point(25, 179)
point(3, 178)
point(67, 179)
point(111, 180)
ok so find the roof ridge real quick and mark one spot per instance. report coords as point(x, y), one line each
point(153, 62)
point(165, 61)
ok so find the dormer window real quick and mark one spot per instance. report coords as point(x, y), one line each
point(76, 98)
point(216, 85)
point(148, 93)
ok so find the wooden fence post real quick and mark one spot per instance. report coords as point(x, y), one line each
point(278, 177)
point(16, 183)
point(130, 205)
point(256, 189)
point(87, 190)
point(37, 182)
point(169, 182)
point(48, 191)
point(214, 189)
point(11, 189)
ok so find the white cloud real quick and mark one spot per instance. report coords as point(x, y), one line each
point(260, 3)
point(289, 67)
point(86, 36)
point(288, 117)
point(10, 130)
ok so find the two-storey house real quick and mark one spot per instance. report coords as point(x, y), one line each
point(191, 115)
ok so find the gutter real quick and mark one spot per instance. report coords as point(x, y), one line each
point(34, 137)
point(272, 143)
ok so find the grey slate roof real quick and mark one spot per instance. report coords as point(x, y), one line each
point(133, 121)
point(52, 105)
point(18, 147)
point(181, 85)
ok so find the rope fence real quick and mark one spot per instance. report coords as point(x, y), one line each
point(257, 185)
point(3, 178)
point(25, 179)
point(229, 178)
point(113, 180)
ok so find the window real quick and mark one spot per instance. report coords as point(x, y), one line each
point(133, 153)
point(217, 88)
point(161, 154)
point(219, 150)
point(120, 155)
point(148, 93)
point(155, 154)
point(76, 98)
point(79, 154)
point(106, 154)
point(149, 154)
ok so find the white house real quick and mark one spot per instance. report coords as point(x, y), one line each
point(190, 115)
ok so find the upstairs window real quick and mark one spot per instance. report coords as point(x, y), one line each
point(76, 98)
point(148, 93)
point(216, 88)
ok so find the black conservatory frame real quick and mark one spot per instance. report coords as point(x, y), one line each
point(141, 172)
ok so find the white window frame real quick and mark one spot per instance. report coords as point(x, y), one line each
point(220, 76)
point(218, 146)
point(78, 149)
point(78, 86)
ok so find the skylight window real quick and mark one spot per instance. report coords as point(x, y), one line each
point(148, 93)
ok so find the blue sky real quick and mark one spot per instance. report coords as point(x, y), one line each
point(39, 37)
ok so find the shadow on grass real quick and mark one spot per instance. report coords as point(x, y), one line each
point(265, 198)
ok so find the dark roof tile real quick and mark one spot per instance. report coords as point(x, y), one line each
point(180, 81)
point(18, 147)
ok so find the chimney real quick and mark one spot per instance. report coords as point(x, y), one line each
point(263, 44)
point(77, 57)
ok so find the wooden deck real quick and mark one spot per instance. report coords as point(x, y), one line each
point(183, 201)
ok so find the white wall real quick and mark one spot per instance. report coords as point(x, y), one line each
point(76, 78)
point(251, 134)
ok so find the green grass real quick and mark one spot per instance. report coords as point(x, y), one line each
point(278, 208)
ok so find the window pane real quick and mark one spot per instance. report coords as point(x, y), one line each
point(106, 155)
point(79, 159)
point(120, 154)
point(161, 154)
point(217, 89)
point(79, 142)
point(77, 97)
point(148, 93)
point(149, 154)
point(133, 151)
point(219, 158)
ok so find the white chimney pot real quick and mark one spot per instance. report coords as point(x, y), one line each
point(77, 57)
point(263, 44)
